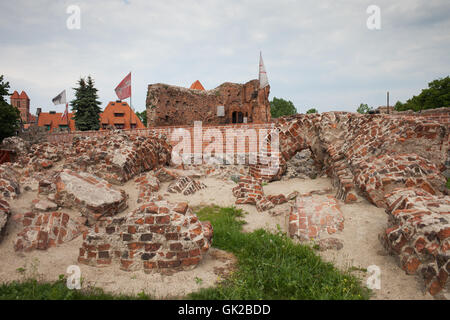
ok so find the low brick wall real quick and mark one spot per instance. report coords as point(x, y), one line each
point(197, 141)
point(441, 115)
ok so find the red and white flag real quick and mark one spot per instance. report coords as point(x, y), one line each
point(123, 90)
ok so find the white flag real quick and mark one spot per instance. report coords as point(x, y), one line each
point(60, 98)
point(263, 81)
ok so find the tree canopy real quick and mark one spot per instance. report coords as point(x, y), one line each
point(312, 110)
point(280, 107)
point(142, 116)
point(9, 115)
point(364, 108)
point(437, 95)
point(85, 106)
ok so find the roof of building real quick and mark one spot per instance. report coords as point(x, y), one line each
point(54, 120)
point(15, 95)
point(197, 86)
point(127, 116)
point(23, 95)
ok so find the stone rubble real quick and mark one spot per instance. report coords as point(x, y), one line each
point(312, 217)
point(148, 183)
point(45, 230)
point(301, 165)
point(419, 235)
point(185, 185)
point(9, 184)
point(5, 213)
point(93, 196)
point(44, 205)
point(120, 157)
point(330, 244)
point(250, 191)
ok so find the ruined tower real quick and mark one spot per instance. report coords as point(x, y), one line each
point(228, 103)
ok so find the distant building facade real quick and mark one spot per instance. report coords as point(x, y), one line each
point(117, 115)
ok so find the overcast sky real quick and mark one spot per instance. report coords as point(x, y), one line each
point(317, 53)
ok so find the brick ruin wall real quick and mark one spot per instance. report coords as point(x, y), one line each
point(172, 105)
point(395, 161)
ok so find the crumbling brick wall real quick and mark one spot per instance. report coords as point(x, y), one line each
point(171, 105)
point(419, 235)
point(118, 158)
point(371, 154)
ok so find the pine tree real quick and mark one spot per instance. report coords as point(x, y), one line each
point(86, 106)
point(9, 115)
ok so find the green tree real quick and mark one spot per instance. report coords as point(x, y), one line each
point(399, 106)
point(9, 115)
point(86, 106)
point(142, 116)
point(363, 108)
point(281, 107)
point(437, 95)
point(312, 110)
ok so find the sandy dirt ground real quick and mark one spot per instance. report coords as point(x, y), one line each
point(363, 223)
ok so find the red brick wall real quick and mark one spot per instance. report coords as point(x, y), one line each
point(168, 130)
point(441, 115)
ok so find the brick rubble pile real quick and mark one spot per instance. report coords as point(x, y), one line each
point(120, 157)
point(44, 230)
point(419, 234)
point(157, 235)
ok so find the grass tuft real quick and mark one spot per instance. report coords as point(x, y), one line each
point(272, 266)
point(31, 289)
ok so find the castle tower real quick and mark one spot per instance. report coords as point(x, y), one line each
point(22, 102)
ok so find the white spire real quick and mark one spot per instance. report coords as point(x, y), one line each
point(263, 80)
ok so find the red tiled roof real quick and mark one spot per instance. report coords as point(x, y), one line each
point(119, 121)
point(54, 120)
point(197, 86)
point(128, 115)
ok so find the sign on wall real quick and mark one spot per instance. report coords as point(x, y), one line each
point(221, 111)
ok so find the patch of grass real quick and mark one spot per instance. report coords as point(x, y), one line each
point(448, 183)
point(271, 266)
point(31, 289)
